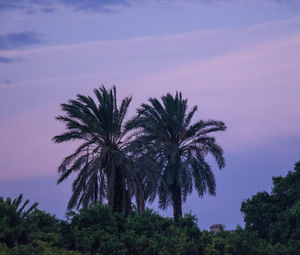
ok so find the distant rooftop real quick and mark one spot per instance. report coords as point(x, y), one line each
point(215, 228)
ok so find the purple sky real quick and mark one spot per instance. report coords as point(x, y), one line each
point(239, 61)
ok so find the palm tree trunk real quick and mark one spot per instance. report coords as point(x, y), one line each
point(141, 207)
point(111, 187)
point(140, 195)
point(101, 185)
point(119, 190)
point(126, 201)
point(96, 189)
point(177, 204)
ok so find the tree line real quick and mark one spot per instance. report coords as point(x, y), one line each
point(158, 153)
point(272, 227)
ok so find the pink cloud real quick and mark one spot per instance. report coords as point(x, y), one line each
point(254, 87)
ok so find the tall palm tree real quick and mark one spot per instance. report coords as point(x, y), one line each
point(101, 163)
point(175, 150)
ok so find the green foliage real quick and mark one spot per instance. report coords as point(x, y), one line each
point(275, 216)
point(36, 248)
point(246, 243)
point(29, 231)
point(260, 212)
point(149, 233)
point(44, 227)
point(98, 230)
point(95, 230)
point(13, 227)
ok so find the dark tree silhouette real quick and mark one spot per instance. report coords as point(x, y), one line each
point(103, 168)
point(174, 150)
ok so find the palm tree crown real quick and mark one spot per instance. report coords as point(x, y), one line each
point(100, 161)
point(16, 203)
point(177, 149)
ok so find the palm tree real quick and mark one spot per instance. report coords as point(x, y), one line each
point(16, 204)
point(175, 150)
point(103, 168)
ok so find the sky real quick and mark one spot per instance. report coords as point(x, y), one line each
point(237, 60)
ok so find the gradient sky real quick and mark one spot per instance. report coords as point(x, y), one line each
point(238, 60)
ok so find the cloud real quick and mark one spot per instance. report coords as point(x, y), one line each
point(91, 5)
point(28, 6)
point(106, 6)
point(5, 60)
point(12, 41)
point(47, 6)
point(253, 84)
point(7, 81)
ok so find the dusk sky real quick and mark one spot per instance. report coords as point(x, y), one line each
point(238, 60)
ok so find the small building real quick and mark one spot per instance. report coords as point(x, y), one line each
point(215, 228)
